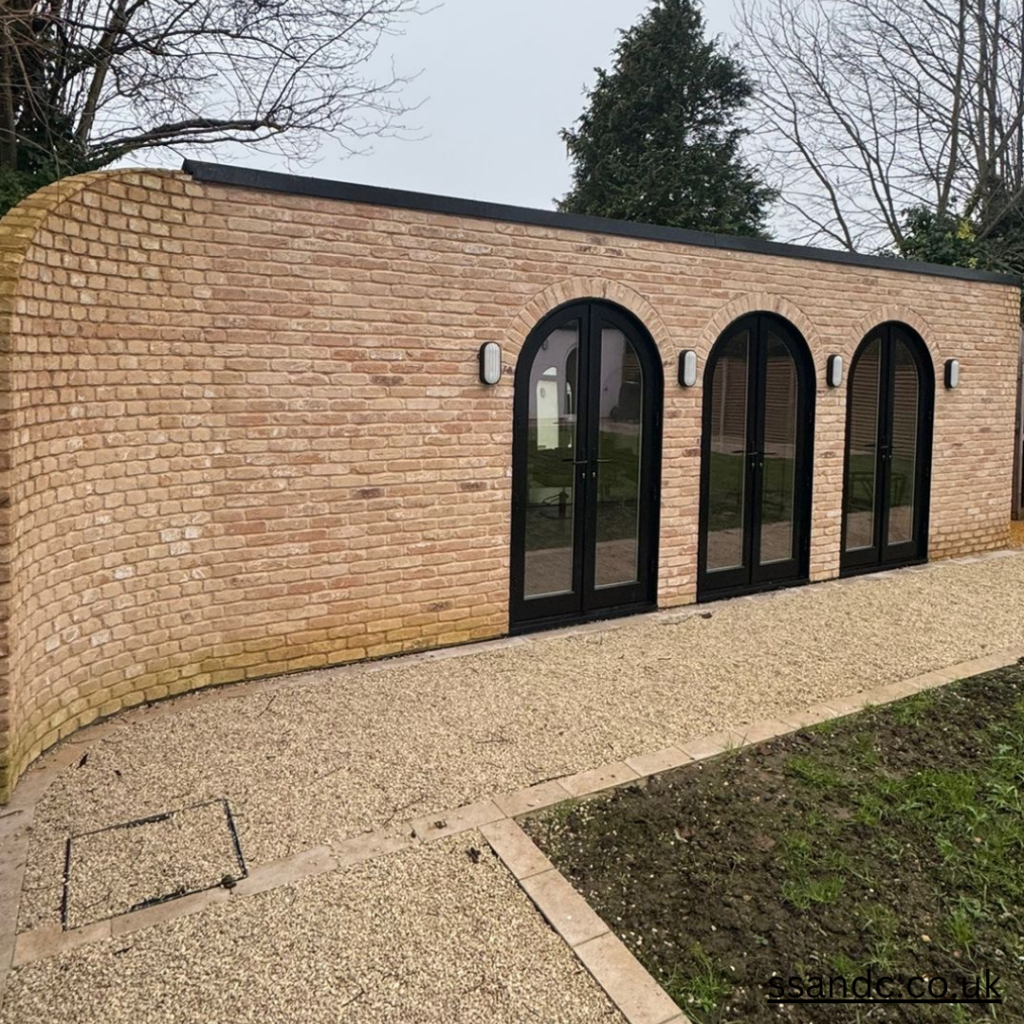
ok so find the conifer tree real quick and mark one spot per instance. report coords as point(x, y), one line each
point(660, 142)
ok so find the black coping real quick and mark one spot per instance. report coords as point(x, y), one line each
point(323, 188)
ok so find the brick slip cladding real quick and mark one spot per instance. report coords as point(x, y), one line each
point(242, 431)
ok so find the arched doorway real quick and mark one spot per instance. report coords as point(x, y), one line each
point(758, 425)
point(586, 467)
point(890, 406)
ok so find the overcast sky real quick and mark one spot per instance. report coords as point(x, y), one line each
point(498, 80)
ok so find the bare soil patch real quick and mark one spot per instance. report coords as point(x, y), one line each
point(889, 842)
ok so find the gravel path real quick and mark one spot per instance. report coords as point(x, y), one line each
point(318, 758)
point(425, 935)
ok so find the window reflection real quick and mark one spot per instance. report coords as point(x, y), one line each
point(727, 473)
point(550, 472)
point(862, 460)
point(619, 458)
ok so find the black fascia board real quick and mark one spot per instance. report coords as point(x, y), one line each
point(373, 195)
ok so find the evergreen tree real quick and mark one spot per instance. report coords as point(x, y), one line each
point(659, 142)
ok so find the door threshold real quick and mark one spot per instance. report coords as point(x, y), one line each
point(864, 570)
point(742, 591)
point(560, 621)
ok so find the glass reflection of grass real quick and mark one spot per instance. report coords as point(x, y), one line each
point(551, 477)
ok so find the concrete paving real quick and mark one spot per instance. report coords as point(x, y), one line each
point(306, 762)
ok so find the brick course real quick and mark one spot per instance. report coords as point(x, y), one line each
point(242, 432)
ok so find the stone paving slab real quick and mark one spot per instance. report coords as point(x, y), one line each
point(634, 991)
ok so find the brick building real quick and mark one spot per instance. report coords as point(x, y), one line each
point(246, 429)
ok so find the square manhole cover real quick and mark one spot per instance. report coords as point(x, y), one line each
point(138, 863)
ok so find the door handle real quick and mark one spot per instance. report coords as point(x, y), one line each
point(578, 462)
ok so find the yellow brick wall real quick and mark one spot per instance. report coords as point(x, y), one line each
point(243, 432)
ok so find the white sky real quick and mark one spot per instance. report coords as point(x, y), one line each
point(499, 79)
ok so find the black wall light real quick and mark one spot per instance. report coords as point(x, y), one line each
point(952, 373)
point(490, 362)
point(688, 368)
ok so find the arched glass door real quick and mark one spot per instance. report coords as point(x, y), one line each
point(585, 464)
point(888, 451)
point(755, 459)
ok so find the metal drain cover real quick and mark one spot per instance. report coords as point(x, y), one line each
point(135, 864)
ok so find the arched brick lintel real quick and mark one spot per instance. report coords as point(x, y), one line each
point(891, 314)
point(760, 302)
point(574, 289)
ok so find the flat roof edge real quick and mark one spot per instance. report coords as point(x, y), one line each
point(325, 188)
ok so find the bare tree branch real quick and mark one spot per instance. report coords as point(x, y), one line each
point(886, 106)
point(85, 82)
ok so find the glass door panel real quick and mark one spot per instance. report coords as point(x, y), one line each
point(585, 487)
point(860, 509)
point(550, 505)
point(758, 424)
point(727, 471)
point(903, 449)
point(888, 448)
point(619, 450)
point(778, 483)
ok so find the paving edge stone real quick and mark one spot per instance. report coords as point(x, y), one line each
point(563, 907)
point(441, 824)
point(627, 983)
point(494, 818)
point(622, 977)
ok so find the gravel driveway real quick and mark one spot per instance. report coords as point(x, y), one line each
point(313, 759)
point(306, 761)
point(425, 936)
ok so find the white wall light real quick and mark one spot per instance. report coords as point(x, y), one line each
point(490, 362)
point(952, 373)
point(688, 368)
point(834, 371)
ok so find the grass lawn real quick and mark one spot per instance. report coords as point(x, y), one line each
point(889, 842)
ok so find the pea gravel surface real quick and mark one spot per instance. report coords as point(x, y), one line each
point(118, 869)
point(431, 934)
point(310, 760)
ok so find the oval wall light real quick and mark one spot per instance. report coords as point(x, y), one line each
point(490, 362)
point(688, 368)
point(834, 371)
point(952, 373)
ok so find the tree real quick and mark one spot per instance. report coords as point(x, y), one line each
point(895, 124)
point(84, 83)
point(659, 142)
point(939, 238)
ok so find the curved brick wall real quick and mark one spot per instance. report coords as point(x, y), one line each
point(242, 432)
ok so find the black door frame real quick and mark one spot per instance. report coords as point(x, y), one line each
point(752, 577)
point(586, 601)
point(882, 555)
